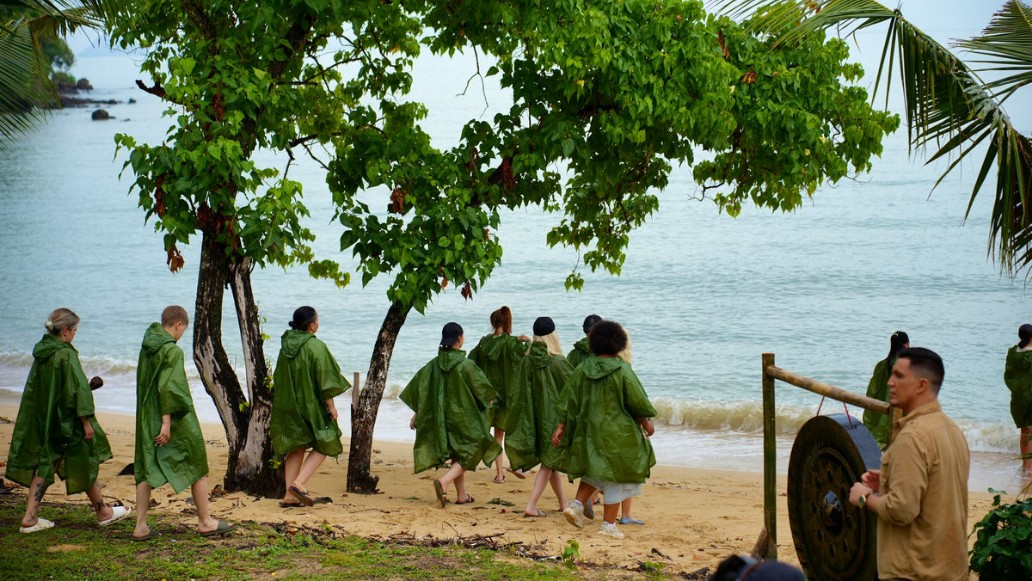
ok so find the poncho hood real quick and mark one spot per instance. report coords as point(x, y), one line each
point(448, 359)
point(47, 346)
point(154, 338)
point(582, 346)
point(292, 341)
point(491, 347)
point(599, 367)
point(539, 355)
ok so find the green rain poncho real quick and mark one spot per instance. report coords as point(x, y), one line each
point(498, 357)
point(306, 376)
point(878, 388)
point(579, 353)
point(1018, 377)
point(602, 439)
point(162, 389)
point(450, 395)
point(48, 429)
point(533, 414)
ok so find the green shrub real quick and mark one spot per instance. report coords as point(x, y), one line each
point(1003, 547)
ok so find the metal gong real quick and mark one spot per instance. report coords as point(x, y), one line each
point(834, 540)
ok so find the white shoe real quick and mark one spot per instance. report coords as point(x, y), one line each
point(574, 513)
point(41, 525)
point(117, 514)
point(610, 530)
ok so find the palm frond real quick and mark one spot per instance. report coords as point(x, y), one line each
point(19, 66)
point(947, 105)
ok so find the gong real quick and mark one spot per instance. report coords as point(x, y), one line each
point(834, 540)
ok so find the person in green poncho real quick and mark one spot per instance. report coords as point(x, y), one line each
point(580, 350)
point(304, 417)
point(880, 425)
point(56, 431)
point(497, 355)
point(603, 430)
point(1018, 377)
point(533, 401)
point(450, 396)
point(169, 444)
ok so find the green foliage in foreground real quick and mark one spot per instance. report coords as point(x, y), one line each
point(77, 549)
point(1004, 536)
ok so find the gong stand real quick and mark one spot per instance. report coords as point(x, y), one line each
point(833, 539)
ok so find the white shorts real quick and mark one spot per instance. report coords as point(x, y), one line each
point(614, 492)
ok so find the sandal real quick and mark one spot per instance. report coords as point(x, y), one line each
point(540, 513)
point(518, 473)
point(439, 491)
point(469, 500)
point(499, 480)
point(302, 495)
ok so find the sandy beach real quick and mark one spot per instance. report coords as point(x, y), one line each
point(694, 517)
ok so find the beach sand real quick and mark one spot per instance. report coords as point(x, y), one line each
point(694, 517)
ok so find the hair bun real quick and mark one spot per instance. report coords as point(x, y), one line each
point(49, 325)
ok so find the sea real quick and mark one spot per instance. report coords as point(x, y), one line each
point(702, 295)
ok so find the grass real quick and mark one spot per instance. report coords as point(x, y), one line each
point(77, 549)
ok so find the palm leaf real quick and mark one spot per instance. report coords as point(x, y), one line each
point(946, 103)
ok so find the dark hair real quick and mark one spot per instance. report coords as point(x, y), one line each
point(174, 314)
point(502, 319)
point(927, 364)
point(607, 338)
point(896, 342)
point(589, 322)
point(1025, 334)
point(303, 317)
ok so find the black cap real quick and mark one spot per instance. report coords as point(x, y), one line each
point(450, 334)
point(589, 322)
point(543, 326)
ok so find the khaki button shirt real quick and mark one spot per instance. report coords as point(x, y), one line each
point(922, 517)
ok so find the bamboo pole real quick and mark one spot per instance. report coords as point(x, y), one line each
point(356, 388)
point(822, 388)
point(770, 459)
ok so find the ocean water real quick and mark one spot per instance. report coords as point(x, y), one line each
point(702, 295)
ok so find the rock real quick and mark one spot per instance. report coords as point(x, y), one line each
point(100, 115)
point(84, 85)
point(131, 100)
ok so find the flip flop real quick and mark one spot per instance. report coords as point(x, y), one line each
point(302, 495)
point(42, 524)
point(629, 520)
point(518, 473)
point(540, 513)
point(439, 491)
point(499, 480)
point(469, 500)
point(285, 504)
point(151, 534)
point(117, 514)
point(223, 528)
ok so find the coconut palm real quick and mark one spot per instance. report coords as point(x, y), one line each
point(24, 70)
point(949, 108)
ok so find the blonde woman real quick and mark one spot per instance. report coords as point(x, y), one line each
point(56, 431)
point(533, 413)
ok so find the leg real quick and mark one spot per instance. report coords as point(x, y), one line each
point(100, 507)
point(609, 512)
point(452, 475)
point(461, 496)
point(37, 488)
point(143, 494)
point(199, 490)
point(556, 479)
point(308, 468)
point(291, 468)
point(544, 475)
point(585, 492)
point(1026, 450)
point(499, 435)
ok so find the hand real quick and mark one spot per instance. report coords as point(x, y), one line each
point(872, 480)
point(87, 430)
point(332, 409)
point(524, 338)
point(558, 435)
point(648, 426)
point(164, 435)
point(857, 491)
point(412, 422)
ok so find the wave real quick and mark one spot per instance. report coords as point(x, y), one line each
point(15, 361)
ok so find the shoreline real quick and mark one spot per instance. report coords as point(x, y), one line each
point(695, 517)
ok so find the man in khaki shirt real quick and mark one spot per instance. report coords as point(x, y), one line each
point(920, 494)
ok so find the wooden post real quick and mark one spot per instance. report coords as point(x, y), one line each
point(770, 462)
point(356, 387)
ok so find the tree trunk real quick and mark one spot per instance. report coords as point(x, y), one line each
point(363, 418)
point(246, 425)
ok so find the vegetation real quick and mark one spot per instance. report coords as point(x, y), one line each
point(949, 105)
point(78, 549)
point(1002, 541)
point(30, 48)
point(608, 97)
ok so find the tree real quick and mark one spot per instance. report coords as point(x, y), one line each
point(29, 46)
point(241, 77)
point(948, 104)
point(607, 98)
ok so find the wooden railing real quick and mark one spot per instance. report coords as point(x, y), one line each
point(767, 545)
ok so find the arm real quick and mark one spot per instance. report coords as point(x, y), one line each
point(166, 430)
